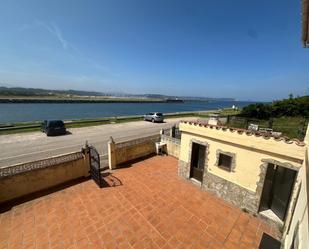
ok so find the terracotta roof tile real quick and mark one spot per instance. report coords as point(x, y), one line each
point(248, 132)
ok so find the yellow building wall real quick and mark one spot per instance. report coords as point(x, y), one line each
point(249, 151)
point(298, 226)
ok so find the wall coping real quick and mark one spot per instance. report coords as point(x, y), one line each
point(39, 164)
point(169, 138)
point(136, 141)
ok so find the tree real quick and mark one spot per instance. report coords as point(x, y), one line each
point(287, 107)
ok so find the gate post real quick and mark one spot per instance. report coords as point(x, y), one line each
point(111, 154)
point(173, 131)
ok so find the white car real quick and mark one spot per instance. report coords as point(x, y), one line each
point(154, 117)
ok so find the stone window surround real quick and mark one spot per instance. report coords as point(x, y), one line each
point(193, 140)
point(230, 154)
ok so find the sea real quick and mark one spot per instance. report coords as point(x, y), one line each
point(26, 112)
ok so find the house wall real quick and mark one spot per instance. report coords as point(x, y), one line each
point(298, 228)
point(244, 184)
point(23, 179)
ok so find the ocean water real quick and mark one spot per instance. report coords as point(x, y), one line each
point(71, 111)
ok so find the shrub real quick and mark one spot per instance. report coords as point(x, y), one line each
point(291, 107)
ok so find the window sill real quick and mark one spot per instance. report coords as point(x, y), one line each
point(224, 168)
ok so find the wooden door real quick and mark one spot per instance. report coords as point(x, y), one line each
point(198, 154)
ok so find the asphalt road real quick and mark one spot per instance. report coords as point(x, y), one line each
point(25, 147)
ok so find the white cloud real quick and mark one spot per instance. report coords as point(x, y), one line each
point(74, 57)
point(53, 29)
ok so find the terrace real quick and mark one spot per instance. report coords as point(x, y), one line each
point(149, 206)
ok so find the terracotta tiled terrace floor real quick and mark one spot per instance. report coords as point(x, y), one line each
point(152, 208)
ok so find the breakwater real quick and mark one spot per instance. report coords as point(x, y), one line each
point(82, 101)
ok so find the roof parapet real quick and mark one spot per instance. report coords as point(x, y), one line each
point(240, 131)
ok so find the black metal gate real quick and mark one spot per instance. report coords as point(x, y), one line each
point(95, 172)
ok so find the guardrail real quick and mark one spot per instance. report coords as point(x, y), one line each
point(11, 127)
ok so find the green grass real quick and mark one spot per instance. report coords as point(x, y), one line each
point(96, 122)
point(19, 131)
point(293, 127)
point(229, 111)
point(77, 125)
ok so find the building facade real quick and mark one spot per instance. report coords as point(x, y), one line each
point(259, 174)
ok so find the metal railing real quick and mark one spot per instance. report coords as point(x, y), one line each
point(173, 132)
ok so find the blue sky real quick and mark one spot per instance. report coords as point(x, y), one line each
point(242, 49)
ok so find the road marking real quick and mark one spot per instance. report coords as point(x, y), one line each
point(37, 152)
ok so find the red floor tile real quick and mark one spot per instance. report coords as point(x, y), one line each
point(149, 208)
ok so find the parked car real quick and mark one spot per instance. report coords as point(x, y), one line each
point(53, 127)
point(154, 117)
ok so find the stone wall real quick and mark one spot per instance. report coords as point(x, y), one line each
point(222, 188)
point(231, 192)
point(172, 145)
point(23, 179)
point(120, 153)
point(184, 169)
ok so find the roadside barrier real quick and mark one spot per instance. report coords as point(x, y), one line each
point(11, 127)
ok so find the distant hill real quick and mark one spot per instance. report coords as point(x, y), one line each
point(20, 91)
point(39, 92)
point(186, 98)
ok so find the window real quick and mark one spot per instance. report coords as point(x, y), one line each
point(226, 160)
